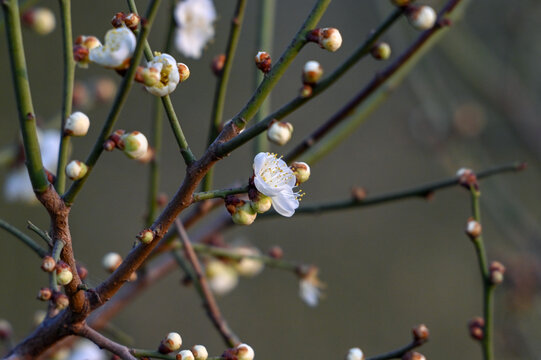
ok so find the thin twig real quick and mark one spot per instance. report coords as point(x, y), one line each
point(209, 302)
point(41, 233)
point(206, 195)
point(397, 354)
point(103, 342)
point(28, 241)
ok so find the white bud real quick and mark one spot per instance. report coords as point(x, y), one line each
point(330, 39)
point(77, 124)
point(64, 276)
point(222, 278)
point(172, 342)
point(422, 17)
point(246, 266)
point(111, 261)
point(76, 170)
point(40, 19)
point(280, 132)
point(245, 352)
point(185, 355)
point(301, 171)
point(355, 354)
point(135, 144)
point(312, 72)
point(200, 352)
point(473, 229)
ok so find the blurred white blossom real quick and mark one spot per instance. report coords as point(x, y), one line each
point(195, 20)
point(117, 51)
point(86, 350)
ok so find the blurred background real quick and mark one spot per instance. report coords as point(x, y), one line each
point(471, 102)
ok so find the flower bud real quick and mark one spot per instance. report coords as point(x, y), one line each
point(420, 333)
point(76, 170)
point(48, 264)
point(77, 124)
point(381, 51)
point(39, 317)
point(473, 229)
point(41, 20)
point(200, 352)
point(171, 343)
point(221, 277)
point(44, 294)
point(276, 252)
point(183, 72)
point(244, 352)
point(246, 266)
point(328, 38)
point(217, 65)
point(496, 271)
point(81, 271)
point(244, 214)
point(355, 354)
point(422, 17)
point(146, 236)
point(132, 21)
point(306, 91)
point(263, 61)
point(111, 261)
point(135, 144)
point(63, 274)
point(401, 2)
point(118, 19)
point(261, 204)
point(6, 331)
point(413, 355)
point(280, 132)
point(61, 301)
point(301, 171)
point(185, 355)
point(81, 50)
point(476, 327)
point(312, 72)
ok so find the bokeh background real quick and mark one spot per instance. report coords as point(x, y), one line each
point(472, 101)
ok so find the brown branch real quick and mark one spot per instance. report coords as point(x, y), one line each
point(103, 342)
point(209, 302)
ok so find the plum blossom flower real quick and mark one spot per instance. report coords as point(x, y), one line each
point(166, 73)
point(273, 178)
point(195, 20)
point(221, 277)
point(310, 287)
point(17, 186)
point(118, 49)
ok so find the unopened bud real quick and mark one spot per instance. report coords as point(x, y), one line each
point(81, 271)
point(301, 171)
point(6, 331)
point(172, 342)
point(61, 301)
point(276, 252)
point(261, 204)
point(263, 61)
point(355, 354)
point(218, 64)
point(421, 17)
point(132, 21)
point(476, 327)
point(183, 72)
point(312, 72)
point(81, 50)
point(111, 261)
point(328, 38)
point(244, 214)
point(41, 20)
point(200, 352)
point(135, 144)
point(496, 271)
point(77, 124)
point(420, 333)
point(63, 274)
point(467, 178)
point(473, 229)
point(381, 51)
point(44, 294)
point(76, 170)
point(185, 355)
point(244, 352)
point(280, 132)
point(118, 19)
point(413, 355)
point(306, 91)
point(246, 266)
point(358, 193)
point(48, 264)
point(146, 236)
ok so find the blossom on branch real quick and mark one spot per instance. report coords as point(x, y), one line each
point(117, 51)
point(195, 20)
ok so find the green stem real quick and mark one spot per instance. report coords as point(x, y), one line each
point(265, 36)
point(27, 118)
point(488, 287)
point(69, 75)
point(223, 79)
point(41, 233)
point(206, 195)
point(120, 99)
point(27, 240)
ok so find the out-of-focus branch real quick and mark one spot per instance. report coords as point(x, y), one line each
point(27, 240)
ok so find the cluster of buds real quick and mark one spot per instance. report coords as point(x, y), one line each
point(131, 20)
point(240, 352)
point(355, 354)
point(279, 132)
point(134, 144)
point(496, 271)
point(476, 327)
point(81, 50)
point(111, 261)
point(263, 61)
point(217, 65)
point(413, 355)
point(76, 169)
point(473, 229)
point(381, 51)
point(40, 20)
point(173, 342)
point(328, 38)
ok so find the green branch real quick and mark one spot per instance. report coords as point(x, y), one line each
point(41, 233)
point(206, 195)
point(27, 240)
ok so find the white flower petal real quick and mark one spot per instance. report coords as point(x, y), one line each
point(285, 203)
point(119, 46)
point(195, 20)
point(309, 293)
point(168, 69)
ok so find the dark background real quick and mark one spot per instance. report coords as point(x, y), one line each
point(386, 268)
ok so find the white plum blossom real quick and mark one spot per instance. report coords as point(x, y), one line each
point(166, 69)
point(221, 277)
point(86, 350)
point(118, 48)
point(310, 287)
point(273, 178)
point(355, 354)
point(17, 186)
point(195, 20)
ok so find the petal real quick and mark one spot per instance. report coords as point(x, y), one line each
point(259, 161)
point(285, 203)
point(265, 188)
